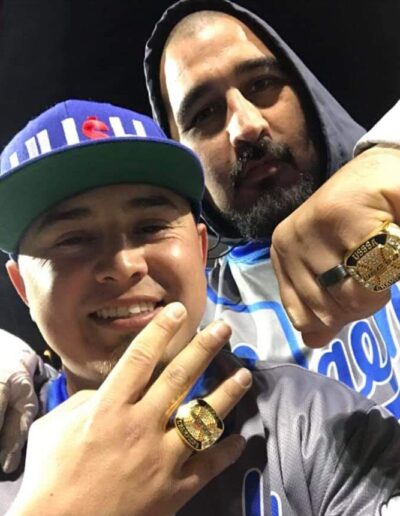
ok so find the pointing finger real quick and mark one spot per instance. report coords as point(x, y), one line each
point(177, 378)
point(133, 371)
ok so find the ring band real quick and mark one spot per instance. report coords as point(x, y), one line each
point(198, 424)
point(375, 263)
point(332, 276)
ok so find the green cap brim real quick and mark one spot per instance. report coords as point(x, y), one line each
point(32, 189)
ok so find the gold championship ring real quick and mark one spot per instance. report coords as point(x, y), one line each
point(198, 424)
point(375, 263)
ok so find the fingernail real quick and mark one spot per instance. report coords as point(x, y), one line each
point(175, 311)
point(243, 377)
point(220, 330)
point(10, 463)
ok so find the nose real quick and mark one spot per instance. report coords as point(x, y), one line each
point(122, 265)
point(246, 123)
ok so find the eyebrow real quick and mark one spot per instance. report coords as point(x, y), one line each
point(151, 201)
point(268, 63)
point(54, 217)
point(79, 213)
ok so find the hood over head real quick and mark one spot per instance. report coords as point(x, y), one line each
point(338, 131)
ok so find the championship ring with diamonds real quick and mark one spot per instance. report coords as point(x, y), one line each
point(198, 424)
point(376, 262)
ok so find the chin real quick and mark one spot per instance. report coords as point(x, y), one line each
point(100, 369)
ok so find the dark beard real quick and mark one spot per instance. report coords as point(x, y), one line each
point(275, 204)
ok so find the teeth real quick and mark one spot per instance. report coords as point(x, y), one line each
point(113, 312)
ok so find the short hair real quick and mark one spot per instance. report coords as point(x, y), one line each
point(194, 22)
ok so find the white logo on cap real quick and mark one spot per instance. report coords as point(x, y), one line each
point(40, 143)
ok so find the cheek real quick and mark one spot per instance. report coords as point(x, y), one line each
point(51, 294)
point(39, 284)
point(183, 276)
point(217, 157)
point(292, 123)
point(186, 283)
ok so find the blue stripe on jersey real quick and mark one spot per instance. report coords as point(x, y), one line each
point(298, 355)
point(252, 494)
point(250, 253)
point(57, 392)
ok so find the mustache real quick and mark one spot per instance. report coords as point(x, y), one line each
point(255, 151)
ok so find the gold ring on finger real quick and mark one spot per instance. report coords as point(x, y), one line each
point(198, 425)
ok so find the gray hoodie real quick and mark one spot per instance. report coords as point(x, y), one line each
point(338, 131)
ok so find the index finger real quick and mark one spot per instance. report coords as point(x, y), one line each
point(175, 381)
point(132, 373)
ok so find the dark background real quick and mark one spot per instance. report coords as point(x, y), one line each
point(51, 50)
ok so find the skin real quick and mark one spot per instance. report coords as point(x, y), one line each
point(111, 247)
point(145, 467)
point(235, 107)
point(351, 205)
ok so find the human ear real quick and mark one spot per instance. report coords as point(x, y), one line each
point(203, 242)
point(16, 279)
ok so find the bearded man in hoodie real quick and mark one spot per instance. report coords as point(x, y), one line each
point(269, 134)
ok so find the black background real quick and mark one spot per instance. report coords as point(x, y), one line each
point(51, 50)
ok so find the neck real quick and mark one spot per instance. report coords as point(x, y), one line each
point(76, 383)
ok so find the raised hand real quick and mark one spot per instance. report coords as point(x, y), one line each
point(112, 452)
point(338, 217)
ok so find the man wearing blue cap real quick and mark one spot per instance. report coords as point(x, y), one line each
point(106, 248)
point(103, 235)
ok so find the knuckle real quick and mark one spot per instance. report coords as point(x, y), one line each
point(205, 341)
point(307, 325)
point(177, 376)
point(328, 317)
point(133, 432)
point(281, 237)
point(94, 421)
point(278, 239)
point(141, 354)
point(232, 389)
point(299, 321)
point(329, 320)
point(327, 207)
point(213, 337)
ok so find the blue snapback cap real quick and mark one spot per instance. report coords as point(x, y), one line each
point(79, 145)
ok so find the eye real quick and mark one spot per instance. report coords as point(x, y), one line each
point(203, 115)
point(149, 229)
point(263, 91)
point(75, 240)
point(210, 118)
point(153, 228)
point(260, 84)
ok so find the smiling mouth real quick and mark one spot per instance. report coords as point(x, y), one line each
point(126, 312)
